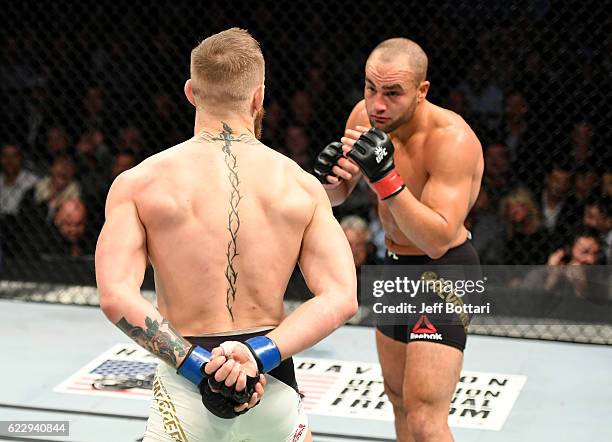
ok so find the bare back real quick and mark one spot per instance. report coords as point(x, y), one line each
point(419, 158)
point(224, 223)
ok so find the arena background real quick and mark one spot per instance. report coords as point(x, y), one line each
point(89, 89)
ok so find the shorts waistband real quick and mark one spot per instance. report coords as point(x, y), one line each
point(463, 254)
point(285, 372)
point(214, 340)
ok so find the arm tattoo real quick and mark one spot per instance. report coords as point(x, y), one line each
point(233, 222)
point(160, 339)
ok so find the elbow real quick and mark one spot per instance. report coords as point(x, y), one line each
point(350, 305)
point(437, 248)
point(108, 304)
point(350, 308)
point(436, 251)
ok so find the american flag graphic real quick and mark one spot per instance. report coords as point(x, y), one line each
point(315, 387)
point(125, 370)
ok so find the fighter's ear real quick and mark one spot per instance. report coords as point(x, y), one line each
point(422, 91)
point(189, 92)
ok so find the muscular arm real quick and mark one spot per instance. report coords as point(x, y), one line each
point(121, 260)
point(329, 270)
point(339, 193)
point(434, 222)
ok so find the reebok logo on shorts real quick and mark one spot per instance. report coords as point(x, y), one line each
point(424, 329)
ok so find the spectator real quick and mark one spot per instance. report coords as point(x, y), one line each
point(14, 181)
point(486, 229)
point(514, 129)
point(525, 140)
point(123, 161)
point(302, 112)
point(297, 144)
point(484, 97)
point(93, 112)
point(130, 139)
point(272, 125)
point(526, 240)
point(456, 101)
point(166, 130)
point(57, 143)
point(497, 179)
point(586, 181)
point(598, 216)
point(606, 184)
point(41, 202)
point(558, 213)
point(358, 234)
point(92, 155)
point(565, 273)
point(580, 149)
point(38, 115)
point(69, 232)
point(94, 191)
point(535, 82)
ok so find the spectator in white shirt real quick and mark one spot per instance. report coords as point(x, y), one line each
point(15, 181)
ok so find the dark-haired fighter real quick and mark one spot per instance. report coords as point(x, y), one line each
point(425, 164)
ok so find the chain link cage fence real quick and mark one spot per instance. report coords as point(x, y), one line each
point(88, 90)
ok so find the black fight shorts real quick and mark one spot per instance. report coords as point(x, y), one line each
point(439, 327)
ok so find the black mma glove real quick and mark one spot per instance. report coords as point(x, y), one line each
point(373, 153)
point(222, 401)
point(327, 159)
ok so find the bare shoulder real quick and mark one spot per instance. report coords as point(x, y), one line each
point(154, 166)
point(138, 175)
point(305, 181)
point(453, 142)
point(358, 116)
point(312, 187)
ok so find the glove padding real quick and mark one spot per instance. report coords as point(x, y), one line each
point(222, 401)
point(326, 160)
point(373, 153)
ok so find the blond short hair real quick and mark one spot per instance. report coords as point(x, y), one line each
point(521, 195)
point(226, 67)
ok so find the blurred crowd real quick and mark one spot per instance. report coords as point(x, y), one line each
point(547, 186)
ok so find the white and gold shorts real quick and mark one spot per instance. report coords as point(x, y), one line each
point(177, 412)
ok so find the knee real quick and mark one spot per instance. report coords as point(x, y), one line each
point(424, 421)
point(395, 397)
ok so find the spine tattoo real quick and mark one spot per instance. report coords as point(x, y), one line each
point(160, 339)
point(233, 222)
